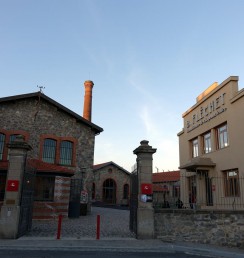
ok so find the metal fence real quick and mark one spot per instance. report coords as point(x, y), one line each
point(203, 192)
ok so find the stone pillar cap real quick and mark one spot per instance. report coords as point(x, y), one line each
point(144, 148)
point(19, 143)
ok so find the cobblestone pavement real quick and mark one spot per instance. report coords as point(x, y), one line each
point(114, 223)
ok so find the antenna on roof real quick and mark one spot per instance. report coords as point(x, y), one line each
point(40, 88)
point(157, 169)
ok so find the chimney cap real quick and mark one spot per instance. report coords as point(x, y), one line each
point(88, 82)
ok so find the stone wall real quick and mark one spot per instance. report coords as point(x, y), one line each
point(38, 118)
point(119, 176)
point(35, 118)
point(223, 228)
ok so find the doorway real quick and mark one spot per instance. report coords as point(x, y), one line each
point(109, 191)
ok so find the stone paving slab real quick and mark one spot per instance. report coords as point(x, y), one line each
point(114, 223)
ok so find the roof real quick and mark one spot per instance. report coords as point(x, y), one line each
point(102, 165)
point(198, 162)
point(43, 167)
point(166, 176)
point(39, 94)
point(160, 188)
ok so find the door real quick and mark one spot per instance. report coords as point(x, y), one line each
point(109, 191)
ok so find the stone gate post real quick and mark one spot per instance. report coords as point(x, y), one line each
point(10, 211)
point(145, 211)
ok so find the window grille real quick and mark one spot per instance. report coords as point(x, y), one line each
point(66, 152)
point(49, 151)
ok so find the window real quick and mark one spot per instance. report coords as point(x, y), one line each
point(126, 191)
point(58, 150)
point(2, 186)
point(222, 137)
point(44, 188)
point(176, 191)
point(12, 137)
point(207, 142)
point(7, 137)
point(2, 141)
point(66, 151)
point(195, 148)
point(49, 151)
point(11, 140)
point(231, 183)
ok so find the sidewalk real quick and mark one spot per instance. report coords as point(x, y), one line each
point(118, 245)
point(80, 234)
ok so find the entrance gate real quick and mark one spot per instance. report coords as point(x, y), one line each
point(134, 202)
point(26, 201)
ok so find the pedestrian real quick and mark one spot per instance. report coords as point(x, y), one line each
point(179, 204)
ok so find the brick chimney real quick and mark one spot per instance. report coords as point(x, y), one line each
point(88, 100)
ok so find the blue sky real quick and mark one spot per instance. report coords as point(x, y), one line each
point(149, 60)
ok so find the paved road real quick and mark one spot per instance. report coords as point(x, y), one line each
point(90, 254)
point(114, 223)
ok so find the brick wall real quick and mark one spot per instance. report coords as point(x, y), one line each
point(49, 210)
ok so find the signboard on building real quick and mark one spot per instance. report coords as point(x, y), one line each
point(13, 185)
point(84, 197)
point(146, 188)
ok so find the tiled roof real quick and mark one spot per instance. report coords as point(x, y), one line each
point(44, 167)
point(102, 165)
point(166, 176)
point(98, 166)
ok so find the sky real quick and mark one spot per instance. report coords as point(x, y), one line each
point(148, 59)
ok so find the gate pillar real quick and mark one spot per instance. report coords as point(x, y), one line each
point(145, 211)
point(10, 211)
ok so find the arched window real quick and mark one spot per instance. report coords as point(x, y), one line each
point(49, 151)
point(66, 153)
point(109, 191)
point(126, 191)
point(2, 142)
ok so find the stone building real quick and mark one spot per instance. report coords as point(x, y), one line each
point(211, 148)
point(111, 184)
point(166, 188)
point(62, 146)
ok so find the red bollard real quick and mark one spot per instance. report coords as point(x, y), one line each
point(60, 217)
point(98, 227)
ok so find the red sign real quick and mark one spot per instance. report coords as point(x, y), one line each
point(146, 188)
point(213, 188)
point(13, 185)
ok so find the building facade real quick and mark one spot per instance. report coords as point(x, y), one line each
point(166, 188)
point(211, 147)
point(111, 184)
point(62, 146)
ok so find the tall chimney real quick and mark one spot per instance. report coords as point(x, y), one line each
point(88, 100)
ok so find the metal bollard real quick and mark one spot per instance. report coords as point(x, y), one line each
point(60, 217)
point(98, 227)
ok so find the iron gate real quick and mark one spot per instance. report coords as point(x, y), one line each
point(74, 199)
point(26, 201)
point(134, 202)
